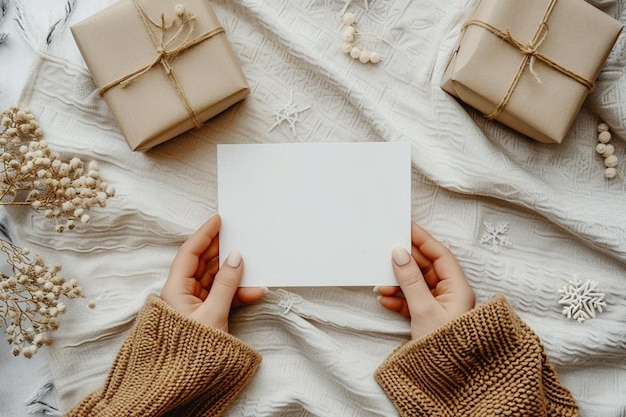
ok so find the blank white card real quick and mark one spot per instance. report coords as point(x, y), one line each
point(315, 214)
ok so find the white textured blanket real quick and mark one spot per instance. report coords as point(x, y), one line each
point(471, 178)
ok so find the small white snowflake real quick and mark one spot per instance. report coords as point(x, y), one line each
point(288, 112)
point(495, 236)
point(287, 300)
point(581, 300)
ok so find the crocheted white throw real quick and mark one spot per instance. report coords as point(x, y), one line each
point(319, 353)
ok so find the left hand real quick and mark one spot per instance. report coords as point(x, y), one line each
point(197, 288)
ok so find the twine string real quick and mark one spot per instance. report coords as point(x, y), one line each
point(531, 54)
point(167, 50)
point(530, 49)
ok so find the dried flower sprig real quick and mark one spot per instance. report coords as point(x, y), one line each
point(31, 174)
point(29, 299)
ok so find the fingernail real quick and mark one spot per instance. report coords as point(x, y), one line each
point(234, 259)
point(375, 289)
point(400, 256)
point(265, 290)
point(379, 297)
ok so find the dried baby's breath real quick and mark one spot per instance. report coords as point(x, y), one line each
point(31, 174)
point(30, 297)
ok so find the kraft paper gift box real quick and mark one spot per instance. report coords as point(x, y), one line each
point(530, 64)
point(162, 66)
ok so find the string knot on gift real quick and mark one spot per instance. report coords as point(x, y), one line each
point(530, 49)
point(531, 53)
point(167, 49)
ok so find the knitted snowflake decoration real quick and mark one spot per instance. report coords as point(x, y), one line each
point(290, 113)
point(581, 300)
point(495, 236)
point(287, 300)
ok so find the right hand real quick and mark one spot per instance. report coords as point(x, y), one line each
point(434, 288)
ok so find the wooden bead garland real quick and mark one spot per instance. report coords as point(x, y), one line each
point(352, 39)
point(607, 150)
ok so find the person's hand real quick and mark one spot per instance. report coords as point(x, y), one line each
point(434, 288)
point(197, 288)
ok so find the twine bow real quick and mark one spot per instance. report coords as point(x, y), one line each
point(531, 54)
point(530, 49)
point(167, 49)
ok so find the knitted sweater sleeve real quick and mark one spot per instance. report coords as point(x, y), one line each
point(487, 362)
point(171, 365)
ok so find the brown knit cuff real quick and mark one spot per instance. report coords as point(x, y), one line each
point(172, 365)
point(212, 365)
point(190, 329)
point(486, 362)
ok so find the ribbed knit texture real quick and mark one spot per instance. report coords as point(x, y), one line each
point(487, 362)
point(171, 365)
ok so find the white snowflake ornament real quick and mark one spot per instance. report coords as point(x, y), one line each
point(496, 236)
point(581, 300)
point(290, 113)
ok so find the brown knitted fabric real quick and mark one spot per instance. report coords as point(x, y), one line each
point(487, 362)
point(170, 365)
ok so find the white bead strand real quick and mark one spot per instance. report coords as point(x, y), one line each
point(348, 19)
point(607, 151)
point(356, 43)
point(610, 173)
point(375, 57)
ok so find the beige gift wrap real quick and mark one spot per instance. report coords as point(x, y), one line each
point(531, 63)
point(163, 66)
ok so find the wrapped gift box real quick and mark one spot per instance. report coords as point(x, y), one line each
point(530, 64)
point(163, 66)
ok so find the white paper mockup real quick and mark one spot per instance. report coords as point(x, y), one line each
point(315, 214)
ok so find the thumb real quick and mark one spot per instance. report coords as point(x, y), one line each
point(411, 280)
point(215, 309)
